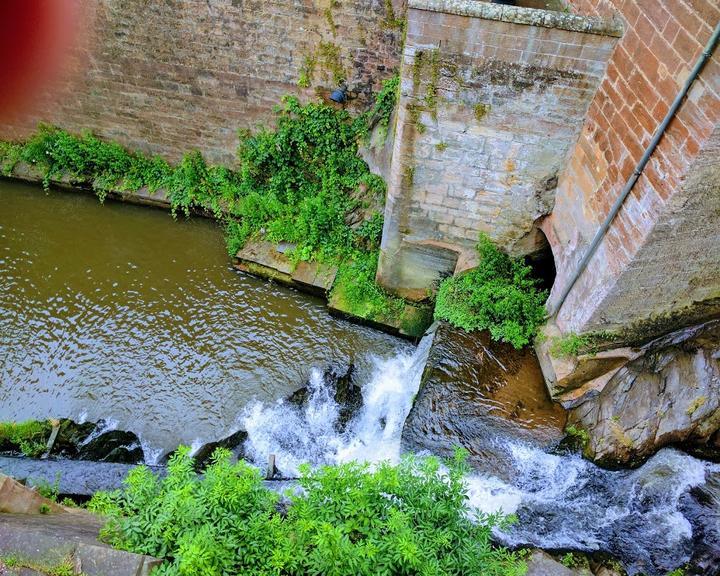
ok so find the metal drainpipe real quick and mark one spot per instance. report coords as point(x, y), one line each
point(630, 184)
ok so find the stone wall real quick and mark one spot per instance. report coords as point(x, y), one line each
point(492, 99)
point(659, 265)
point(169, 76)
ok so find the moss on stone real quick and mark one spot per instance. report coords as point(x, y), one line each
point(29, 437)
point(695, 405)
point(481, 110)
point(331, 62)
point(391, 20)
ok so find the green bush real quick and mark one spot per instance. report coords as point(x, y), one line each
point(500, 295)
point(29, 437)
point(348, 520)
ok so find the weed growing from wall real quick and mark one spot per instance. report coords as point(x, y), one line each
point(350, 519)
point(500, 295)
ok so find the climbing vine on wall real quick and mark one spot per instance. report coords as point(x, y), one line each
point(302, 182)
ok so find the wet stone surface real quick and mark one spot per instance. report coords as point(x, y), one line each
point(475, 391)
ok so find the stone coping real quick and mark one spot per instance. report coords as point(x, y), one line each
point(520, 15)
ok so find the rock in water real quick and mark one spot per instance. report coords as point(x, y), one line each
point(475, 391)
point(701, 506)
point(233, 442)
point(668, 396)
point(347, 395)
point(71, 437)
point(113, 446)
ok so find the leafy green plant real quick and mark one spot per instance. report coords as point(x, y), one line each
point(348, 519)
point(48, 490)
point(29, 437)
point(302, 182)
point(500, 295)
point(571, 560)
point(579, 436)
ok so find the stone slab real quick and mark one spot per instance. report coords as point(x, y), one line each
point(76, 477)
point(17, 499)
point(269, 260)
point(84, 478)
point(50, 539)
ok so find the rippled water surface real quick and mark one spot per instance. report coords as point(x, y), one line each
point(117, 311)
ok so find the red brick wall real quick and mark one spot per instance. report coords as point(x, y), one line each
point(167, 76)
point(660, 45)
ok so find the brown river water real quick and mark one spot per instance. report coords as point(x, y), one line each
point(119, 312)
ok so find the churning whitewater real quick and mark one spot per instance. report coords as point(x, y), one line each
point(562, 501)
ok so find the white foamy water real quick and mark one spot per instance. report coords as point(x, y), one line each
point(312, 435)
point(562, 501)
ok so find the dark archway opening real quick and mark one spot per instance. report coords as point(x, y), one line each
point(542, 261)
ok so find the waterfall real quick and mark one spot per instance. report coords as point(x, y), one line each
point(562, 501)
point(311, 434)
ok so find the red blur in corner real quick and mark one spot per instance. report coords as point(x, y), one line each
point(35, 38)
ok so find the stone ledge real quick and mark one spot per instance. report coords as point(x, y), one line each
point(520, 15)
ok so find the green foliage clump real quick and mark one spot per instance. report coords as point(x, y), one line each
point(379, 114)
point(302, 182)
point(361, 295)
point(577, 436)
point(500, 295)
point(571, 560)
point(299, 181)
point(347, 520)
point(29, 437)
point(106, 165)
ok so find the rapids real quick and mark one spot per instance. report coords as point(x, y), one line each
point(562, 501)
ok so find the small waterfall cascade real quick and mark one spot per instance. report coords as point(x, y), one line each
point(647, 517)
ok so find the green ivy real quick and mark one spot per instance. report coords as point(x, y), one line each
point(347, 520)
point(500, 295)
point(302, 182)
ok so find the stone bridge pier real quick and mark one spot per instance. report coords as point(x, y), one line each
point(526, 124)
point(493, 99)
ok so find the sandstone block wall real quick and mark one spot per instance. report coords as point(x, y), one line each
point(169, 76)
point(492, 99)
point(659, 265)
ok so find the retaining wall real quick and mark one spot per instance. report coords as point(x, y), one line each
point(492, 99)
point(166, 77)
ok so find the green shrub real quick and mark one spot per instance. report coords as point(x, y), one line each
point(349, 520)
point(29, 437)
point(500, 295)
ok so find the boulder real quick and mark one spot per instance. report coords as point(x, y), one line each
point(233, 442)
point(71, 437)
point(668, 395)
point(113, 446)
